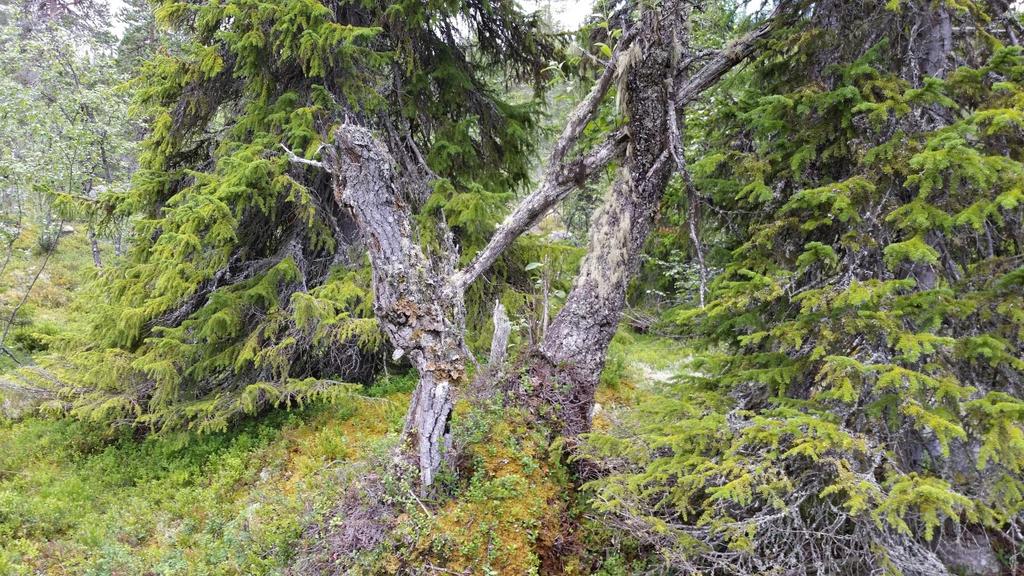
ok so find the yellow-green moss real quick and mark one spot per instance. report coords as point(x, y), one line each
point(508, 515)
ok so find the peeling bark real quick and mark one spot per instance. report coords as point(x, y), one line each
point(569, 361)
point(418, 309)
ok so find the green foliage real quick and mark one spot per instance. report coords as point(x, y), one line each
point(67, 142)
point(225, 503)
point(860, 369)
point(245, 286)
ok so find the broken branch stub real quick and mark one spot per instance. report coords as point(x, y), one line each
point(499, 342)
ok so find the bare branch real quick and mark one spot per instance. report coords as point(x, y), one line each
point(295, 158)
point(675, 145)
point(726, 59)
point(556, 186)
point(587, 109)
point(559, 178)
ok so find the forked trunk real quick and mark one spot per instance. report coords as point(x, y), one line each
point(419, 297)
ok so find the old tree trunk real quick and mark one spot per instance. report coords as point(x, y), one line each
point(419, 310)
point(419, 295)
point(573, 353)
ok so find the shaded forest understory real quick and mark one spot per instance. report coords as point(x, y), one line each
point(708, 287)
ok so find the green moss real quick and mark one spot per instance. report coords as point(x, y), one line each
point(512, 505)
point(78, 498)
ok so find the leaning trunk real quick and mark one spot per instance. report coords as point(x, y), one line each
point(573, 352)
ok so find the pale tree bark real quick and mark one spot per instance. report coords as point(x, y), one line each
point(418, 308)
point(675, 146)
point(419, 297)
point(561, 176)
point(573, 351)
point(499, 340)
point(94, 245)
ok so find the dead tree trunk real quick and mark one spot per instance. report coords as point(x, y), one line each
point(573, 352)
point(499, 341)
point(419, 299)
point(418, 309)
point(569, 362)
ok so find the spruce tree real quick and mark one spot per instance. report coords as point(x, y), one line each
point(246, 285)
point(859, 404)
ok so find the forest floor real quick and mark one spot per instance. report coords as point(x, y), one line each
point(79, 499)
point(49, 307)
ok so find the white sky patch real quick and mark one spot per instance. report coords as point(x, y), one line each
point(568, 14)
point(116, 25)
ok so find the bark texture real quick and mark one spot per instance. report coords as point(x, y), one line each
point(572, 355)
point(499, 342)
point(418, 310)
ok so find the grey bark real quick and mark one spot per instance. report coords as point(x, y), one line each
point(561, 176)
point(727, 59)
point(572, 354)
point(499, 341)
point(938, 41)
point(419, 310)
point(419, 301)
point(693, 200)
point(571, 357)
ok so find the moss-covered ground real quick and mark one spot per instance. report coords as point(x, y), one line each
point(79, 499)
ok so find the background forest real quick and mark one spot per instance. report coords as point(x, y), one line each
point(702, 287)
